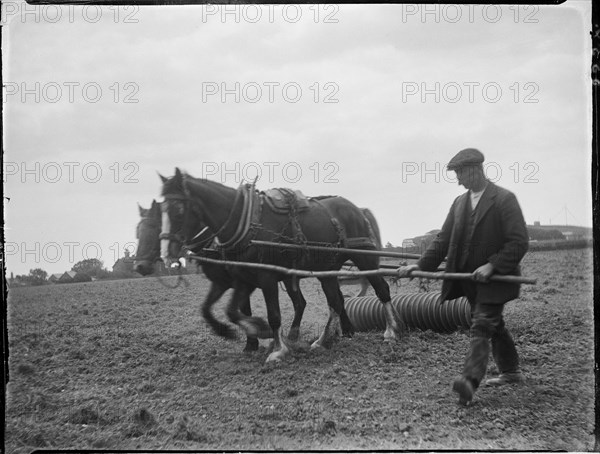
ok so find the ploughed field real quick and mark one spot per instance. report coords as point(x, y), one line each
point(130, 365)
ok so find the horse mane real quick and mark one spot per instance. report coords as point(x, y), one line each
point(210, 183)
point(175, 185)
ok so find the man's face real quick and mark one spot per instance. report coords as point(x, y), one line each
point(467, 176)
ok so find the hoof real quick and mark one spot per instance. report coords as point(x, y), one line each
point(325, 344)
point(465, 390)
point(251, 345)
point(390, 336)
point(345, 322)
point(315, 345)
point(230, 334)
point(276, 356)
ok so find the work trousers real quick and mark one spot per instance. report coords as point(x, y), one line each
point(487, 324)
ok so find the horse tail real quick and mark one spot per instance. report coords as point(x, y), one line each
point(368, 214)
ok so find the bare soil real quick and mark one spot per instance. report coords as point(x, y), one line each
point(130, 365)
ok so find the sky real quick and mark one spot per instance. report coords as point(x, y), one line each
point(368, 102)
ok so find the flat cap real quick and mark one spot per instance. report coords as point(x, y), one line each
point(466, 157)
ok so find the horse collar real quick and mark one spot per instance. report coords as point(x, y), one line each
point(244, 221)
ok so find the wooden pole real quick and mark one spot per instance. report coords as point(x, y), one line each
point(468, 276)
point(379, 272)
point(333, 249)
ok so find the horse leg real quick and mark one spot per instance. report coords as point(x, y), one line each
point(271, 294)
point(251, 341)
point(221, 329)
point(254, 326)
point(347, 327)
point(394, 326)
point(299, 304)
point(335, 300)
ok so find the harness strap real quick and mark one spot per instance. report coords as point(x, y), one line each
point(242, 224)
point(238, 194)
point(179, 237)
point(245, 220)
point(201, 243)
point(186, 200)
point(341, 232)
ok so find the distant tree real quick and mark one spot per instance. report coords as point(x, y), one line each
point(103, 274)
point(91, 267)
point(37, 276)
point(389, 245)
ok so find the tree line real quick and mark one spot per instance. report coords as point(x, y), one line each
point(86, 270)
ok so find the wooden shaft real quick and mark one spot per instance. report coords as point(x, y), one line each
point(346, 263)
point(379, 272)
point(469, 276)
point(385, 266)
point(401, 255)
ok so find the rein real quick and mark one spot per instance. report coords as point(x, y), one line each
point(202, 243)
point(180, 279)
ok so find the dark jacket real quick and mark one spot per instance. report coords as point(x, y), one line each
point(499, 236)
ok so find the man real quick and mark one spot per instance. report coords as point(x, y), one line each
point(484, 234)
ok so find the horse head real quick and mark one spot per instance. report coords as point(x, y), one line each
point(181, 218)
point(147, 232)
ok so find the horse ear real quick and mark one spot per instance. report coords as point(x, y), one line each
point(163, 179)
point(178, 178)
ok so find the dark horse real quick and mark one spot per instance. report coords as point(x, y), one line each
point(237, 216)
point(148, 252)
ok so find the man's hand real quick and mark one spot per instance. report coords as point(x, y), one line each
point(404, 271)
point(483, 273)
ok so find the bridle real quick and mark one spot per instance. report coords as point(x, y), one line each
point(241, 229)
point(164, 206)
point(202, 240)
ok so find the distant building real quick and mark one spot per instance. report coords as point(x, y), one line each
point(422, 242)
point(17, 281)
point(408, 243)
point(124, 266)
point(567, 232)
point(55, 277)
point(66, 277)
point(69, 277)
point(548, 236)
